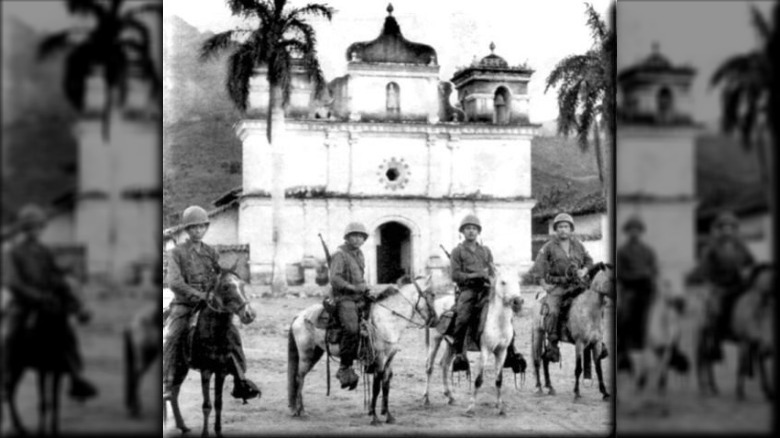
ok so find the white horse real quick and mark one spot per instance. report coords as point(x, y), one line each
point(392, 312)
point(503, 303)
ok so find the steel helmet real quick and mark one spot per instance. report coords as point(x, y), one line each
point(31, 215)
point(563, 217)
point(634, 222)
point(470, 219)
point(355, 227)
point(194, 215)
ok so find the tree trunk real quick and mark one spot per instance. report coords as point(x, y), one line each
point(111, 119)
point(276, 131)
point(599, 157)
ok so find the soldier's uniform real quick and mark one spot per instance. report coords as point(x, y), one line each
point(558, 269)
point(637, 269)
point(348, 285)
point(192, 270)
point(473, 292)
point(722, 264)
point(38, 287)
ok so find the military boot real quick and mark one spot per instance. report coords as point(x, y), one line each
point(461, 363)
point(552, 353)
point(347, 377)
point(604, 353)
point(81, 389)
point(245, 389)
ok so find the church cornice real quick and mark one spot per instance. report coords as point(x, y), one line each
point(320, 192)
point(457, 129)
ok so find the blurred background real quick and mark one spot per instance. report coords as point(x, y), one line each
point(695, 185)
point(81, 116)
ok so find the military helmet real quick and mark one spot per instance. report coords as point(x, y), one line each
point(194, 215)
point(634, 222)
point(31, 215)
point(726, 218)
point(470, 219)
point(563, 217)
point(355, 227)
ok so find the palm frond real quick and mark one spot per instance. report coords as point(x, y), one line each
point(78, 66)
point(571, 65)
point(85, 7)
point(244, 8)
point(568, 99)
point(217, 44)
point(241, 66)
point(312, 9)
point(760, 23)
point(736, 66)
point(148, 8)
point(54, 43)
point(598, 28)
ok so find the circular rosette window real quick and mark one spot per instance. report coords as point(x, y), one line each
point(394, 173)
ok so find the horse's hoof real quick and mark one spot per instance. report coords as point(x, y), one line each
point(539, 391)
point(390, 419)
point(426, 401)
point(185, 430)
point(577, 397)
point(375, 421)
point(551, 391)
point(451, 401)
point(469, 412)
point(605, 397)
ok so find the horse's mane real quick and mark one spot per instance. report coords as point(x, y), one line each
point(387, 293)
point(595, 269)
point(756, 272)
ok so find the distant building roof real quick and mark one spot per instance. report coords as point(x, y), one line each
point(590, 203)
point(655, 63)
point(391, 47)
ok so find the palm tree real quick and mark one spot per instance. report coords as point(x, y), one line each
point(585, 95)
point(118, 46)
point(750, 97)
point(279, 38)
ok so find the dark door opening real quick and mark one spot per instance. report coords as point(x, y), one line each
point(393, 253)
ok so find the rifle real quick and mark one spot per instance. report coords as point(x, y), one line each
point(327, 348)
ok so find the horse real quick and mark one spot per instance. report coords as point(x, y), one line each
point(661, 347)
point(141, 340)
point(504, 301)
point(391, 313)
point(751, 324)
point(585, 331)
point(210, 340)
point(46, 358)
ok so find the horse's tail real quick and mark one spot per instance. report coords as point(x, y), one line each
point(292, 368)
point(131, 379)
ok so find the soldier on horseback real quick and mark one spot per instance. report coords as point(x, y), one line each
point(471, 265)
point(193, 268)
point(348, 287)
point(38, 285)
point(637, 274)
point(561, 263)
point(725, 263)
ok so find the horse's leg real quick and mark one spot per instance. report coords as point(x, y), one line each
point(388, 376)
point(219, 382)
point(55, 403)
point(701, 363)
point(305, 364)
point(577, 368)
point(14, 376)
point(500, 358)
point(742, 363)
point(446, 361)
point(175, 388)
point(547, 381)
point(42, 402)
point(436, 342)
point(766, 386)
point(378, 375)
point(205, 382)
point(596, 354)
point(536, 354)
point(483, 355)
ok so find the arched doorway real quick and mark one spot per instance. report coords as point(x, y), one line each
point(501, 105)
point(393, 252)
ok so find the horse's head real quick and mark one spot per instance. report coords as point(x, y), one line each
point(425, 298)
point(602, 279)
point(508, 290)
point(228, 296)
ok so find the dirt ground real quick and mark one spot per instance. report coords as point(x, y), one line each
point(102, 351)
point(265, 343)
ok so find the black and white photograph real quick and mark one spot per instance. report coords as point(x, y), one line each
point(388, 217)
point(697, 138)
point(81, 191)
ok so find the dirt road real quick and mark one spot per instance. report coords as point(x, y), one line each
point(265, 342)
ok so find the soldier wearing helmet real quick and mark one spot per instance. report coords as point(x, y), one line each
point(348, 286)
point(725, 262)
point(637, 274)
point(38, 285)
point(558, 260)
point(471, 266)
point(193, 268)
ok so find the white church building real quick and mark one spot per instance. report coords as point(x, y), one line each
point(387, 149)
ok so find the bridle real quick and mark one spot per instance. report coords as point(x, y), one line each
point(209, 301)
point(428, 295)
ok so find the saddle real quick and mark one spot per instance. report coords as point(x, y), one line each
point(328, 321)
point(563, 314)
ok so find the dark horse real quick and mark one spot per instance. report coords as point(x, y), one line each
point(211, 346)
point(583, 328)
point(46, 330)
point(141, 340)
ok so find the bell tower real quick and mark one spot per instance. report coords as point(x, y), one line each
point(656, 166)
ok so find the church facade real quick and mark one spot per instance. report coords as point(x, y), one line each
point(386, 148)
